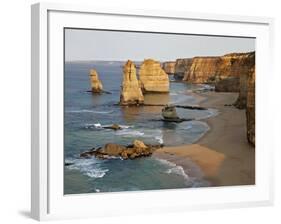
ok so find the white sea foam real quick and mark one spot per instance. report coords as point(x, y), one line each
point(100, 126)
point(145, 133)
point(159, 139)
point(178, 170)
point(174, 168)
point(174, 94)
point(189, 126)
point(203, 133)
point(126, 126)
point(97, 125)
point(130, 133)
point(90, 167)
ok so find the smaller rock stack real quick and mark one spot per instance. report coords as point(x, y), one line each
point(131, 93)
point(96, 85)
point(169, 67)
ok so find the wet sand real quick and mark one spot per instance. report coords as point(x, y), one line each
point(223, 153)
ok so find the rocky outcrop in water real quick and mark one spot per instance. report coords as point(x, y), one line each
point(169, 67)
point(170, 113)
point(131, 93)
point(137, 149)
point(96, 85)
point(181, 67)
point(152, 77)
point(250, 108)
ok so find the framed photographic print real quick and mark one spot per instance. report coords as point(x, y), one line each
point(148, 111)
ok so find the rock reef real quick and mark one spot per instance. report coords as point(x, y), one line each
point(169, 67)
point(152, 77)
point(111, 150)
point(131, 93)
point(96, 85)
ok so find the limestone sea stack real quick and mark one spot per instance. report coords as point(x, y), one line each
point(181, 67)
point(153, 78)
point(96, 85)
point(131, 93)
point(250, 108)
point(169, 67)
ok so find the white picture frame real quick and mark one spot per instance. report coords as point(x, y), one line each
point(48, 201)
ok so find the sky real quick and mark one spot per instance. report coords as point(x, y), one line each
point(84, 45)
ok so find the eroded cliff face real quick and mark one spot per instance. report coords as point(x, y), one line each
point(214, 69)
point(203, 70)
point(247, 66)
point(230, 84)
point(152, 77)
point(181, 67)
point(96, 85)
point(169, 67)
point(250, 108)
point(131, 93)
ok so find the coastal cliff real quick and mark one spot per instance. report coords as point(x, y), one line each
point(230, 84)
point(203, 70)
point(169, 67)
point(250, 108)
point(181, 67)
point(152, 77)
point(130, 92)
point(96, 85)
point(245, 71)
point(213, 69)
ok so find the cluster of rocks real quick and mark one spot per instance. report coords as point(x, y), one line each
point(152, 78)
point(133, 151)
point(229, 73)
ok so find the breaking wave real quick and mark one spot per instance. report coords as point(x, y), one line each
point(90, 167)
point(174, 168)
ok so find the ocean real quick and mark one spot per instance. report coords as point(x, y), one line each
point(85, 114)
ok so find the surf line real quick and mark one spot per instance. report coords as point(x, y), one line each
point(163, 105)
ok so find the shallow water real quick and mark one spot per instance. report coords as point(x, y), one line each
point(85, 114)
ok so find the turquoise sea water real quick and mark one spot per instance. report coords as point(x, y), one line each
point(85, 114)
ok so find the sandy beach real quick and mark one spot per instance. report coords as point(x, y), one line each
point(223, 154)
